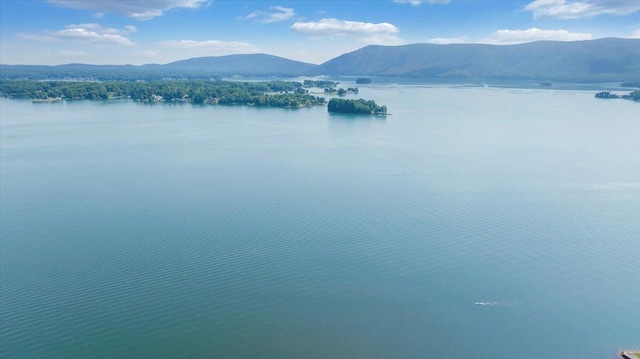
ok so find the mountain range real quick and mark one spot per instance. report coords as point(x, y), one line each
point(602, 60)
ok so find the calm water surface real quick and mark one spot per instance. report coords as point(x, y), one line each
point(473, 221)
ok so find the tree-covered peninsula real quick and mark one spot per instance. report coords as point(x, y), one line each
point(266, 93)
point(359, 106)
point(635, 95)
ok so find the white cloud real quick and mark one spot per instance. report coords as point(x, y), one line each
point(507, 37)
point(213, 46)
point(418, 2)
point(130, 29)
point(146, 53)
point(380, 33)
point(634, 35)
point(335, 26)
point(173, 50)
point(68, 53)
point(564, 9)
point(274, 14)
point(449, 40)
point(138, 9)
point(91, 33)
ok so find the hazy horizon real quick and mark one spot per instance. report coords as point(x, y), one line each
point(135, 32)
point(263, 53)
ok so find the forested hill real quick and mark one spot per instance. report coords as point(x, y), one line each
point(251, 64)
point(603, 60)
point(595, 60)
point(247, 65)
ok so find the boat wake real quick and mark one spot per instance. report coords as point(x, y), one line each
point(486, 303)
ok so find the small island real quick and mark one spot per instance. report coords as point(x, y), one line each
point(635, 95)
point(341, 91)
point(319, 83)
point(363, 80)
point(359, 106)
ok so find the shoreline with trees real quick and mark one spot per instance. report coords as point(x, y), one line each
point(634, 96)
point(266, 93)
point(360, 106)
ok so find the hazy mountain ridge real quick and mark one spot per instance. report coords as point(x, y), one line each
point(251, 64)
point(199, 67)
point(609, 59)
point(595, 60)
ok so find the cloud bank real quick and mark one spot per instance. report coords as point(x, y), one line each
point(274, 14)
point(380, 33)
point(448, 40)
point(508, 37)
point(137, 9)
point(563, 9)
point(91, 33)
point(213, 46)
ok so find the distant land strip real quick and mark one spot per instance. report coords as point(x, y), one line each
point(589, 61)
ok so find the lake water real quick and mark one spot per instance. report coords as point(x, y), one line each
point(482, 222)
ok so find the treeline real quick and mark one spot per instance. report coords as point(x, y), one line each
point(319, 83)
point(266, 93)
point(631, 84)
point(359, 106)
point(635, 95)
point(79, 72)
point(341, 91)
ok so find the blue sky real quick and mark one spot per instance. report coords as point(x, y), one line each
point(161, 31)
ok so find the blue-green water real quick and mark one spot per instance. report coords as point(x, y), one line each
point(473, 221)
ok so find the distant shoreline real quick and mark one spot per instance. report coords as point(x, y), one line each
point(633, 96)
point(286, 94)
